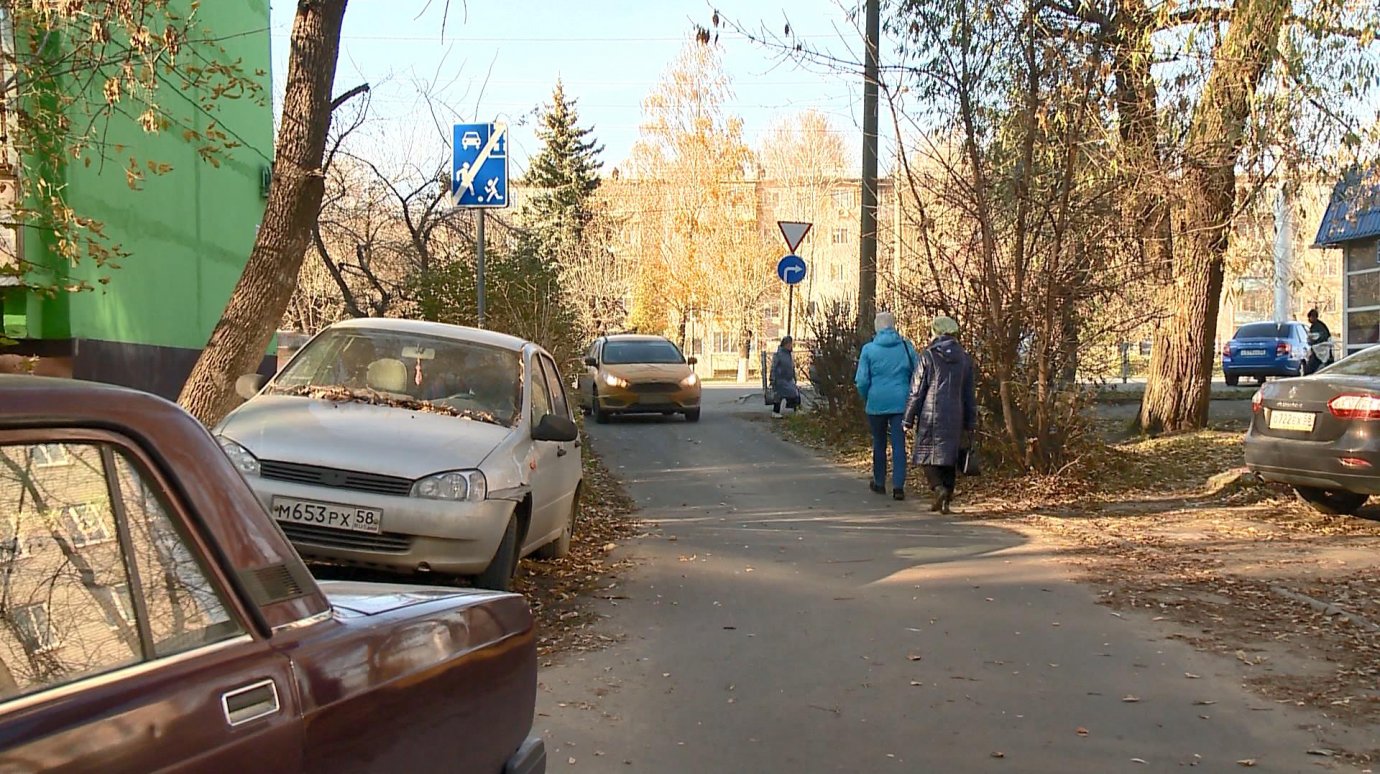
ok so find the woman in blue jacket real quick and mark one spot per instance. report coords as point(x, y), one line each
point(885, 368)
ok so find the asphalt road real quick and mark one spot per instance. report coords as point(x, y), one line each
point(781, 618)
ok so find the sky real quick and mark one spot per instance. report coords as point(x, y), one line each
point(500, 60)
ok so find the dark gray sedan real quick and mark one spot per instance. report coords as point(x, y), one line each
point(1321, 434)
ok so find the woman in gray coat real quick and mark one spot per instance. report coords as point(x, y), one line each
point(942, 410)
point(783, 386)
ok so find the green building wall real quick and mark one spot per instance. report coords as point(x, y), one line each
point(187, 233)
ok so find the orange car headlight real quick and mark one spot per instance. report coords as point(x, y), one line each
point(614, 381)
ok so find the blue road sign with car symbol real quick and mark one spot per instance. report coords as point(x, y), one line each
point(479, 165)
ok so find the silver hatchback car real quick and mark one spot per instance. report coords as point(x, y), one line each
point(413, 447)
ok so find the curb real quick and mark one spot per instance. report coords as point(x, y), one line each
point(1325, 607)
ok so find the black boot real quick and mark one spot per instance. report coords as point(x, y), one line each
point(946, 496)
point(875, 488)
point(898, 494)
point(938, 502)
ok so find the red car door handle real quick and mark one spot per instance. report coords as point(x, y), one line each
point(250, 703)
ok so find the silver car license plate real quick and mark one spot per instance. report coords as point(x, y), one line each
point(332, 515)
point(1252, 352)
point(1298, 421)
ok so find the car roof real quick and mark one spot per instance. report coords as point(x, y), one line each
point(437, 329)
point(636, 337)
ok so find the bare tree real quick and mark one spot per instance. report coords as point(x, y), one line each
point(260, 297)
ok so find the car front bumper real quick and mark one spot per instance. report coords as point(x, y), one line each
point(632, 400)
point(442, 536)
point(1318, 464)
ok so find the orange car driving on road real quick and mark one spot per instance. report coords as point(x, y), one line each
point(631, 374)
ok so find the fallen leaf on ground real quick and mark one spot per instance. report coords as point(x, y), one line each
point(1247, 762)
point(1081, 731)
point(1130, 699)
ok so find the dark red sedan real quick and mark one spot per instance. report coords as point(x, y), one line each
point(154, 618)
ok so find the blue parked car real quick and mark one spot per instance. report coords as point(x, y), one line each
point(1265, 349)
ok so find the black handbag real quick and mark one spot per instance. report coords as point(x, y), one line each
point(968, 462)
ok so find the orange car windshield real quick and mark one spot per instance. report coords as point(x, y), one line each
point(627, 352)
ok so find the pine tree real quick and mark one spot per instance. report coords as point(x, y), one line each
point(565, 173)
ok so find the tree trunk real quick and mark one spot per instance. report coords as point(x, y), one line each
point(1179, 386)
point(1180, 379)
point(256, 306)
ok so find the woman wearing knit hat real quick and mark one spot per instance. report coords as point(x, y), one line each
point(942, 410)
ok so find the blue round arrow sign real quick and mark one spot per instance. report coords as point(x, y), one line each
point(791, 269)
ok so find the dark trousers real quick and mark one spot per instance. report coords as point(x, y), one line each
point(882, 426)
point(945, 476)
point(792, 403)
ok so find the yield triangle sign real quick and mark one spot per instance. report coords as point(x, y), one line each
point(794, 232)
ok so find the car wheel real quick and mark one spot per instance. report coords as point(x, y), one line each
point(560, 547)
point(692, 415)
point(600, 415)
point(1330, 502)
point(498, 576)
point(1233, 379)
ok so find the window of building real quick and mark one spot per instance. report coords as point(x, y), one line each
point(49, 455)
point(843, 198)
point(121, 605)
point(839, 236)
point(86, 524)
point(725, 342)
point(34, 626)
point(1362, 289)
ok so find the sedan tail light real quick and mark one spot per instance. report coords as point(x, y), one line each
point(1226, 350)
point(1355, 407)
point(1281, 349)
point(1257, 402)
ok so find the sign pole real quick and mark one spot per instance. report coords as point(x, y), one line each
point(790, 308)
point(479, 265)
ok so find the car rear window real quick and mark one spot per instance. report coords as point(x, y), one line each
point(1363, 363)
point(622, 352)
point(1265, 330)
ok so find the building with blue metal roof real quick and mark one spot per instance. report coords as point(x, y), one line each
point(1352, 224)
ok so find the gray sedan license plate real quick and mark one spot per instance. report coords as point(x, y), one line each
point(332, 515)
point(1298, 421)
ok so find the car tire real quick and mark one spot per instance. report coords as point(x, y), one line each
point(692, 415)
point(560, 547)
point(1260, 379)
point(498, 576)
point(1233, 379)
point(1333, 503)
point(600, 415)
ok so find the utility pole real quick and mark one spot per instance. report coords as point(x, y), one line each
point(1284, 253)
point(867, 247)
